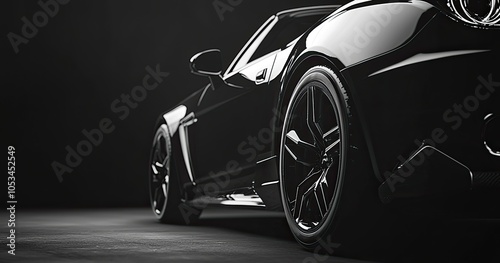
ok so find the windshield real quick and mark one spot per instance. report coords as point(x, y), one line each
point(274, 34)
point(246, 52)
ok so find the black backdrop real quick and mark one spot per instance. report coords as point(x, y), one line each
point(66, 77)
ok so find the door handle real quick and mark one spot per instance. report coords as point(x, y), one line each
point(261, 76)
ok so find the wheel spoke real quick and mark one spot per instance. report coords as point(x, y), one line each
point(332, 139)
point(319, 192)
point(333, 145)
point(312, 121)
point(309, 162)
point(301, 151)
point(292, 136)
point(334, 132)
point(159, 171)
point(155, 171)
point(158, 197)
point(304, 189)
point(160, 163)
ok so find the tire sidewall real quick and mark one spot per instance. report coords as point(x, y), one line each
point(329, 80)
point(161, 131)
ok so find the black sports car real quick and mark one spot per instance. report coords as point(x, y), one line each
point(339, 116)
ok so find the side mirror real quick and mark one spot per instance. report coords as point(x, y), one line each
point(206, 63)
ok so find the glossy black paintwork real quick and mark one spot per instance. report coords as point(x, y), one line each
point(408, 103)
point(376, 30)
point(394, 108)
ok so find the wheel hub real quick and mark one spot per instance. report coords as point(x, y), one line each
point(326, 161)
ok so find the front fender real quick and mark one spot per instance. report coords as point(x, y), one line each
point(173, 118)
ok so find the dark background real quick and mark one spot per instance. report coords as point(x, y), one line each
point(65, 79)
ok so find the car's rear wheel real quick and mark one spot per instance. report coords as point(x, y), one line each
point(313, 155)
point(328, 188)
point(164, 188)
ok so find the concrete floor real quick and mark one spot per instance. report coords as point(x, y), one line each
point(133, 235)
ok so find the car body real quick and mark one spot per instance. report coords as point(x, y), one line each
point(411, 83)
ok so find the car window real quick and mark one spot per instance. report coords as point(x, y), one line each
point(284, 32)
point(273, 35)
point(245, 54)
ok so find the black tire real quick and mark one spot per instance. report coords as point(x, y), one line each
point(328, 190)
point(166, 196)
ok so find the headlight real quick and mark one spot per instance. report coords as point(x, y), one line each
point(477, 12)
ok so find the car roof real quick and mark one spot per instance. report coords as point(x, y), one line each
point(307, 11)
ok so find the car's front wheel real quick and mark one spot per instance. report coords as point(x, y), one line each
point(165, 190)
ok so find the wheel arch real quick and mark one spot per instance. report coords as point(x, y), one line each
point(295, 72)
point(301, 65)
